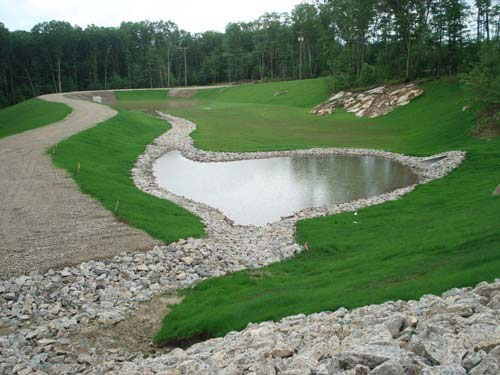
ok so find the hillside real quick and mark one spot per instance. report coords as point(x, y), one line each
point(443, 235)
point(30, 114)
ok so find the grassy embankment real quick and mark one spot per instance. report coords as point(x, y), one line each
point(147, 100)
point(445, 234)
point(31, 114)
point(106, 153)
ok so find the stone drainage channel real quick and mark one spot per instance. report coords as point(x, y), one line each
point(41, 312)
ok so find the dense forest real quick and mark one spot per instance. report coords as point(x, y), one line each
point(356, 42)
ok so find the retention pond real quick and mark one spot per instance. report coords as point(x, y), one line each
point(262, 191)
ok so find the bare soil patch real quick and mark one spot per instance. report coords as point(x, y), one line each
point(133, 335)
point(181, 93)
point(108, 97)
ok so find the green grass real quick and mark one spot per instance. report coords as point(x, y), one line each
point(444, 234)
point(141, 95)
point(303, 94)
point(146, 100)
point(106, 153)
point(31, 114)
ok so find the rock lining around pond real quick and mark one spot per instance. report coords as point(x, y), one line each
point(42, 313)
point(178, 138)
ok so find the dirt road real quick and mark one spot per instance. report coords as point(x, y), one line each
point(45, 221)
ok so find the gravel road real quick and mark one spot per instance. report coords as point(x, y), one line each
point(45, 221)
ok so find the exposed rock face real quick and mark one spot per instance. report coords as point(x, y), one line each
point(497, 191)
point(371, 103)
point(457, 333)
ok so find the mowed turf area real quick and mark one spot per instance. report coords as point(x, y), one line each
point(445, 234)
point(31, 114)
point(100, 160)
point(147, 100)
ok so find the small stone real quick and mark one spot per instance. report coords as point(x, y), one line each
point(395, 324)
point(388, 368)
point(143, 267)
point(471, 359)
point(361, 370)
point(497, 191)
point(65, 273)
point(85, 359)
point(445, 370)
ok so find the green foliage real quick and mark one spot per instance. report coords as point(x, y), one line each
point(483, 86)
point(106, 153)
point(29, 115)
point(442, 235)
point(359, 42)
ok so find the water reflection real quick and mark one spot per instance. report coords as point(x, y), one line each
point(262, 191)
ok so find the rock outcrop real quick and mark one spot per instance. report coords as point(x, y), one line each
point(372, 103)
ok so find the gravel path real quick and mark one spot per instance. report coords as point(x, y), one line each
point(45, 222)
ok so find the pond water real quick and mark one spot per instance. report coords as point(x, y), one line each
point(264, 190)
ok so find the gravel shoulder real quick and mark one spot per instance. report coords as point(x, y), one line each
point(45, 221)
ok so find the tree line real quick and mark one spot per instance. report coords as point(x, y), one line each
point(356, 42)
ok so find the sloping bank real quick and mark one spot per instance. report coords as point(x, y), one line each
point(99, 160)
point(443, 235)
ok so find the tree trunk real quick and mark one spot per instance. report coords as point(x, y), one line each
point(271, 64)
point(408, 54)
point(487, 23)
point(165, 75)
point(12, 88)
point(260, 62)
point(310, 61)
point(31, 82)
point(53, 77)
point(59, 75)
point(75, 74)
point(160, 74)
point(168, 67)
point(106, 58)
point(129, 76)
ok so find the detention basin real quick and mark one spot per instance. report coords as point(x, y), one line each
point(262, 191)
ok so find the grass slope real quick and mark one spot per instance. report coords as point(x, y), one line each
point(106, 153)
point(141, 99)
point(445, 234)
point(31, 114)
